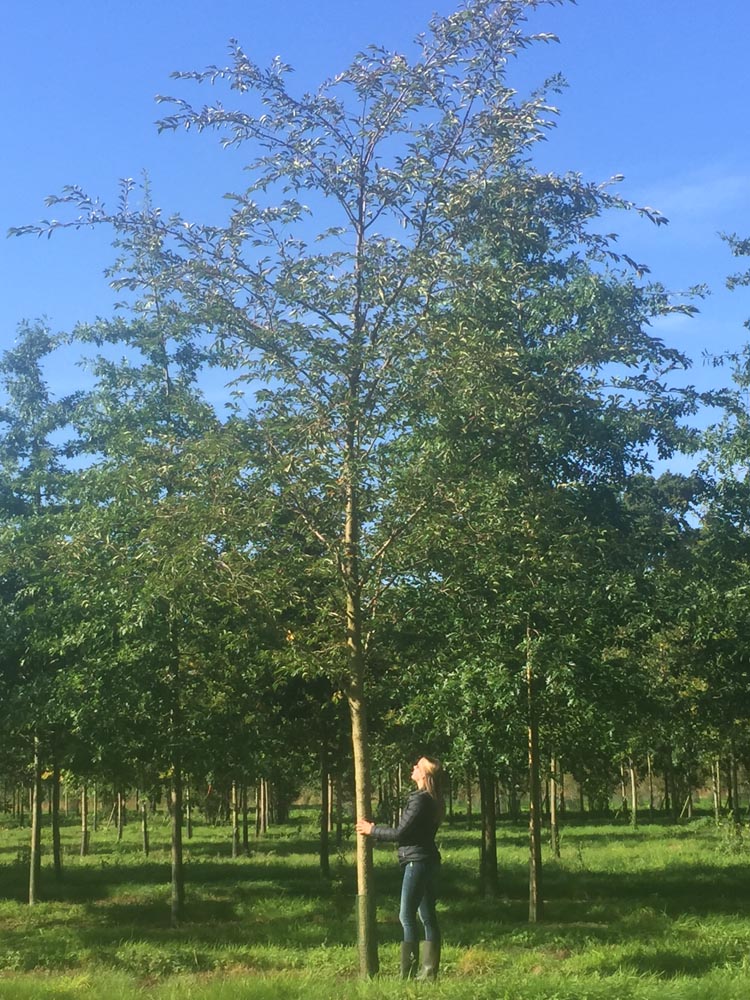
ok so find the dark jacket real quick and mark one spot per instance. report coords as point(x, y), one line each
point(415, 834)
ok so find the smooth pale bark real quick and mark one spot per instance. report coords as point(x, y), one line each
point(85, 838)
point(55, 804)
point(623, 792)
point(177, 906)
point(734, 778)
point(633, 795)
point(120, 815)
point(96, 808)
point(262, 808)
point(235, 808)
point(650, 766)
point(561, 806)
point(716, 782)
point(554, 827)
point(367, 946)
point(245, 823)
point(144, 827)
point(367, 942)
point(35, 859)
point(325, 785)
point(535, 794)
point(331, 799)
point(488, 865)
point(188, 810)
point(339, 810)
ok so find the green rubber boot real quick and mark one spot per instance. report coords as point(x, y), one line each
point(409, 959)
point(430, 961)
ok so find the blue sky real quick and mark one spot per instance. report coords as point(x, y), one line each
point(657, 92)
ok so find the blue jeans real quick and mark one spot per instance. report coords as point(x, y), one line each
point(418, 895)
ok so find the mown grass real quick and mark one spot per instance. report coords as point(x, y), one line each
point(658, 912)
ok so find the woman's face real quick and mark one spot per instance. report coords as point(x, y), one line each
point(417, 772)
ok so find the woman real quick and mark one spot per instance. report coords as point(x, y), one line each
point(420, 861)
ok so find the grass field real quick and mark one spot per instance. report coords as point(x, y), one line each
point(659, 912)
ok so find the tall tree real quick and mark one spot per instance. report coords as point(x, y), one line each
point(332, 318)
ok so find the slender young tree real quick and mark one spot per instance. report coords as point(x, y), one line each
point(328, 304)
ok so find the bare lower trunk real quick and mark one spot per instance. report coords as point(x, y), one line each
point(245, 823)
point(144, 826)
point(535, 795)
point(488, 864)
point(261, 808)
point(650, 765)
point(84, 821)
point(235, 803)
point(177, 908)
point(554, 827)
point(367, 943)
point(188, 810)
point(325, 787)
point(339, 809)
point(734, 778)
point(716, 781)
point(633, 795)
point(55, 803)
point(120, 815)
point(35, 859)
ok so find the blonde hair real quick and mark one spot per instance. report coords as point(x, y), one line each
point(432, 776)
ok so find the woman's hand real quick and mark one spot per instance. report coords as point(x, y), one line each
point(364, 826)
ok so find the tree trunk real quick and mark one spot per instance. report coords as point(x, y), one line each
point(633, 795)
point(367, 944)
point(469, 804)
point(261, 808)
point(623, 792)
point(561, 806)
point(84, 821)
point(734, 778)
point(55, 803)
point(96, 808)
point(339, 809)
point(716, 782)
point(650, 766)
point(35, 859)
point(176, 742)
point(245, 823)
point(399, 793)
point(554, 828)
point(188, 810)
point(488, 883)
point(535, 793)
point(144, 826)
point(120, 815)
point(177, 905)
point(235, 801)
point(325, 786)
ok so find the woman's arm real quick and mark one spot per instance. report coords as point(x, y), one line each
point(413, 808)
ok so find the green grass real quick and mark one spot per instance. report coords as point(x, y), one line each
point(659, 912)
